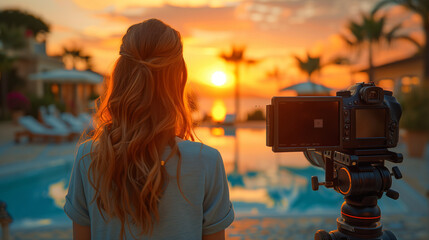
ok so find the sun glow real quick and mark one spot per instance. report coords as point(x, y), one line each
point(219, 78)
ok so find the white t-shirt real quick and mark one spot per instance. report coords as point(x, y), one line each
point(202, 180)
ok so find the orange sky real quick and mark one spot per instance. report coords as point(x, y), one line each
point(272, 31)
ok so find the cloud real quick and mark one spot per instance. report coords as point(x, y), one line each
point(186, 20)
point(122, 4)
point(272, 30)
point(260, 12)
point(113, 16)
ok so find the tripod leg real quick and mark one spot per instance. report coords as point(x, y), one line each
point(388, 235)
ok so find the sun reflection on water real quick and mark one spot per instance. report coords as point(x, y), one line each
point(218, 111)
point(58, 192)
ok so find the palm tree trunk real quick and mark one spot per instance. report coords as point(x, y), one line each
point(371, 65)
point(237, 91)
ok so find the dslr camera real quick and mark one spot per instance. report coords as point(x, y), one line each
point(363, 117)
point(349, 136)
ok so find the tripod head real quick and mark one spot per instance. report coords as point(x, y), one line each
point(362, 178)
point(360, 174)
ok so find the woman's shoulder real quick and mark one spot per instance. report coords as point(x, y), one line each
point(82, 154)
point(83, 148)
point(190, 147)
point(200, 152)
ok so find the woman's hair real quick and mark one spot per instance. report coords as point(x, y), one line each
point(141, 113)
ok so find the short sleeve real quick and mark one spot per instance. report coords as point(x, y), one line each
point(76, 206)
point(217, 207)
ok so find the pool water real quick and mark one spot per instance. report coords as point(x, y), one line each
point(35, 198)
point(262, 183)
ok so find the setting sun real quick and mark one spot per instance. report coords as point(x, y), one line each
point(218, 78)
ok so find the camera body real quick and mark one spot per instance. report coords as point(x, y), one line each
point(362, 117)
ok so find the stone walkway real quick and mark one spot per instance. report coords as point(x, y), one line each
point(301, 228)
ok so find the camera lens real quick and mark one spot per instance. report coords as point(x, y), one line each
point(315, 158)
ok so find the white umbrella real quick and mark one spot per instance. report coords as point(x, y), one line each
point(68, 76)
point(308, 88)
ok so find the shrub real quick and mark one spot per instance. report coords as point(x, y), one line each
point(16, 101)
point(415, 109)
point(257, 115)
point(37, 102)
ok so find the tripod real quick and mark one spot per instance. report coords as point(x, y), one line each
point(362, 178)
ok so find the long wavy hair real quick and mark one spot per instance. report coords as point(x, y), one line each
point(142, 111)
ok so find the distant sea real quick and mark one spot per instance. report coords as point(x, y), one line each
point(247, 105)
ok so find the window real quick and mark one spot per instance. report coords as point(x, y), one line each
point(407, 82)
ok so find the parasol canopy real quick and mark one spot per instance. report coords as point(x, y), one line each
point(308, 88)
point(68, 76)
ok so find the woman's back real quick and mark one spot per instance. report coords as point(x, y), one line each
point(204, 208)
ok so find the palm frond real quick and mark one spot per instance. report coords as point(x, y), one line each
point(308, 66)
point(392, 34)
point(357, 31)
point(411, 40)
point(349, 42)
point(340, 60)
point(236, 54)
point(381, 4)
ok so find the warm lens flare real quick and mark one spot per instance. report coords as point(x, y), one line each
point(218, 78)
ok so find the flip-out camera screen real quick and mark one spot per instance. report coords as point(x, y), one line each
point(370, 123)
point(308, 123)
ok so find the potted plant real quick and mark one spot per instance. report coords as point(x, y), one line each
point(17, 104)
point(415, 120)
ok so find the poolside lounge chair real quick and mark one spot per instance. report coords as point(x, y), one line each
point(229, 119)
point(49, 118)
point(56, 123)
point(34, 129)
point(43, 112)
point(73, 122)
point(53, 111)
point(86, 118)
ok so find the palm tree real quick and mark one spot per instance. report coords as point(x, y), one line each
point(421, 7)
point(367, 33)
point(309, 66)
point(236, 58)
point(88, 62)
point(276, 74)
point(75, 54)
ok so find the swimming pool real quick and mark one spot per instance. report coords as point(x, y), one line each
point(261, 183)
